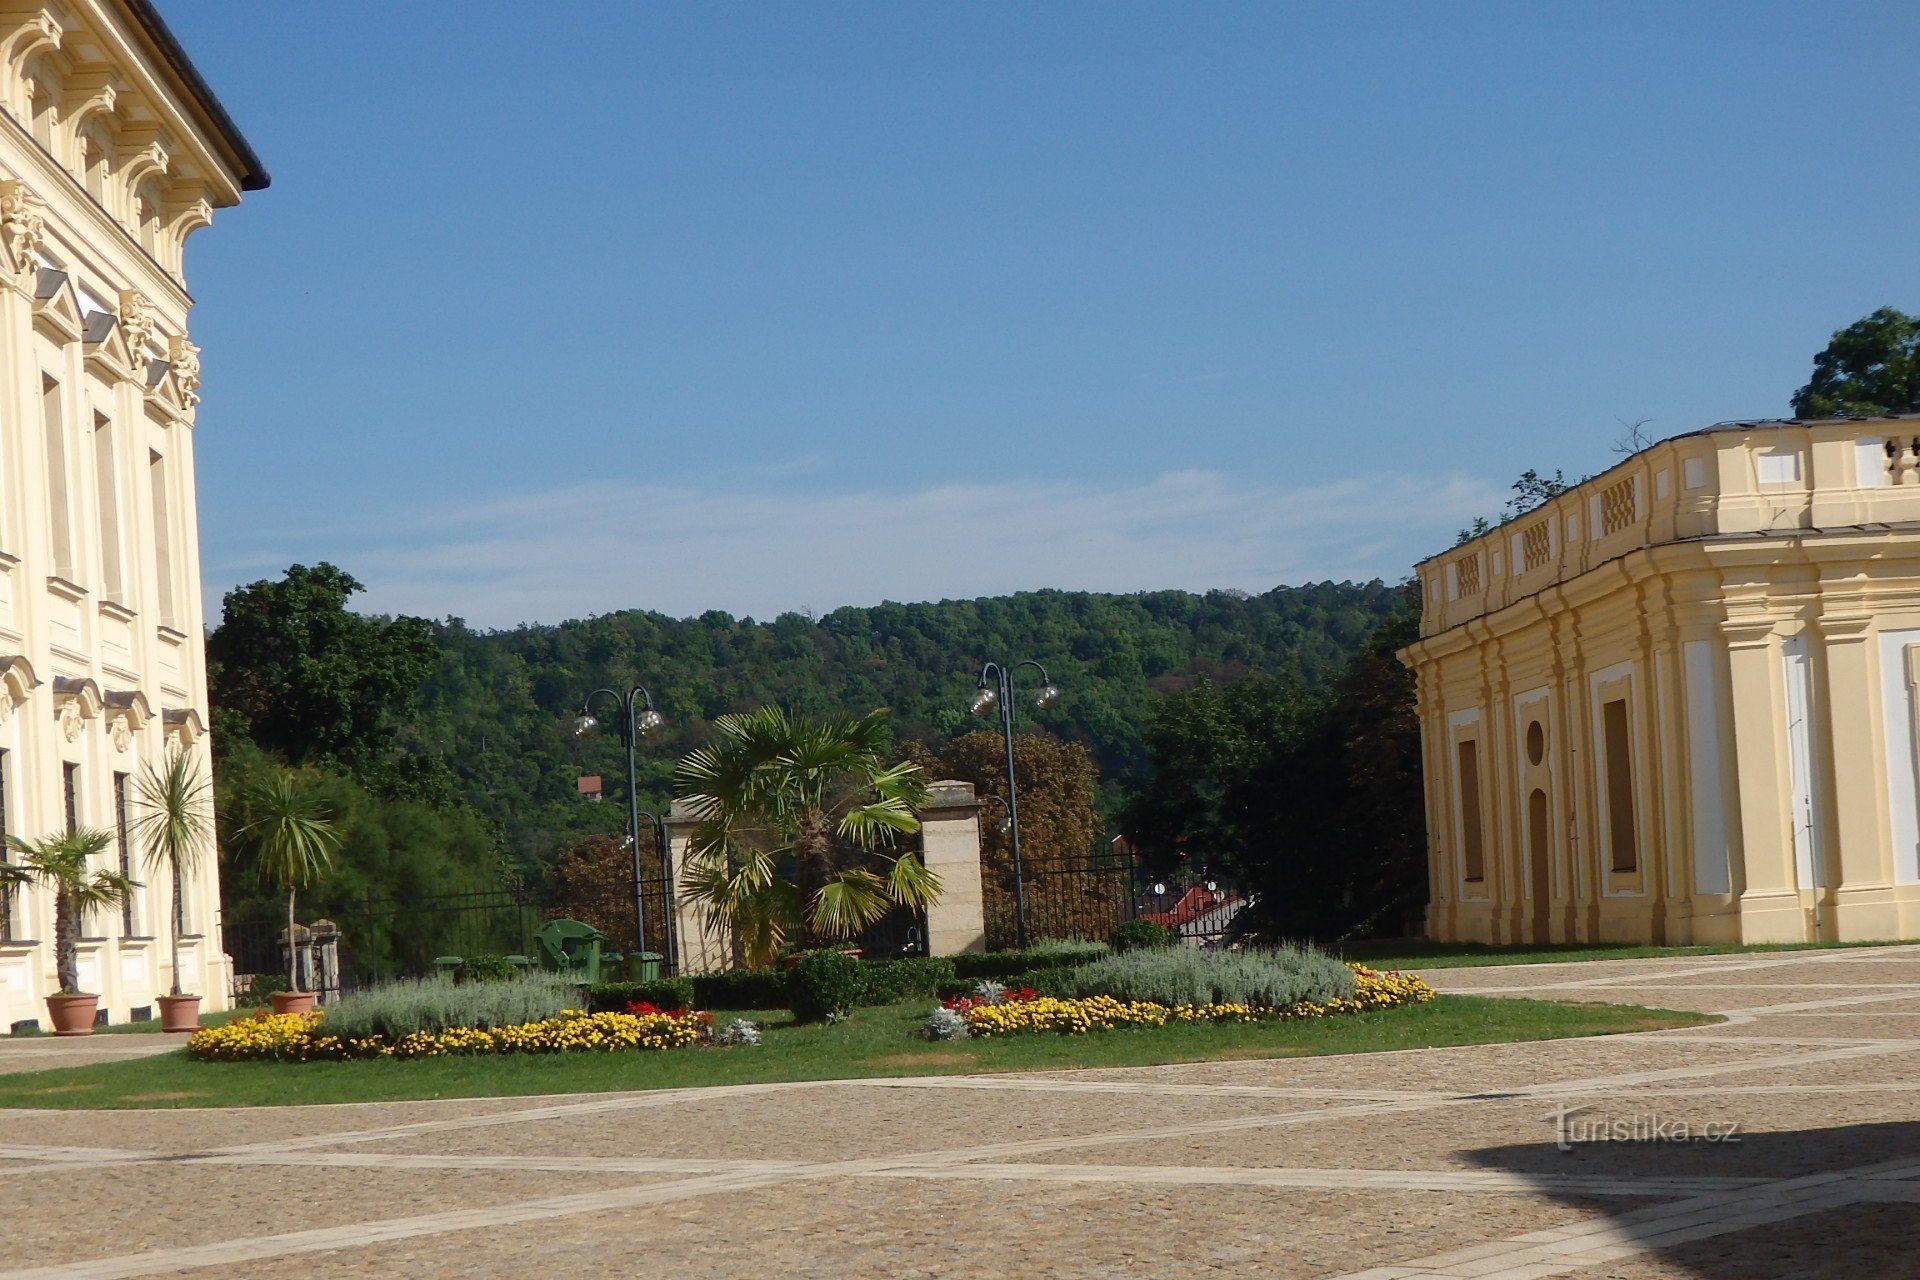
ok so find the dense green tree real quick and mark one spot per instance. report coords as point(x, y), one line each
point(293, 670)
point(499, 705)
point(1313, 800)
point(1869, 369)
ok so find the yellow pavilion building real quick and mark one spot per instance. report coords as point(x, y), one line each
point(1677, 703)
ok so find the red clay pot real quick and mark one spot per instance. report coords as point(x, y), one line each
point(72, 1015)
point(292, 1001)
point(180, 1013)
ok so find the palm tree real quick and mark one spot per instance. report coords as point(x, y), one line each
point(292, 839)
point(175, 827)
point(62, 862)
point(795, 816)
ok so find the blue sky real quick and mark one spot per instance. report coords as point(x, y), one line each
point(563, 309)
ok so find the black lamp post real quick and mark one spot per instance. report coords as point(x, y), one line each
point(1001, 691)
point(637, 717)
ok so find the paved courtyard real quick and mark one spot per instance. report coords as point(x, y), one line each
point(1440, 1163)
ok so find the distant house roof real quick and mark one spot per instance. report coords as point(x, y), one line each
point(253, 174)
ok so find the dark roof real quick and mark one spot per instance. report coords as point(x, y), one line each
point(253, 175)
point(1764, 424)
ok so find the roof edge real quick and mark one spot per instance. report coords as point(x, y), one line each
point(253, 174)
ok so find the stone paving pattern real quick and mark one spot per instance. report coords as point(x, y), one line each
point(1425, 1165)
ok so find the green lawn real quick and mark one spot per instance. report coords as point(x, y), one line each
point(873, 1042)
point(1415, 953)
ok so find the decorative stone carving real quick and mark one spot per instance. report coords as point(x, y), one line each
point(185, 358)
point(183, 726)
point(76, 700)
point(22, 225)
point(16, 682)
point(127, 711)
point(136, 325)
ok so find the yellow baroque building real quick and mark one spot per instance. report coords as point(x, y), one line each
point(1677, 703)
point(112, 152)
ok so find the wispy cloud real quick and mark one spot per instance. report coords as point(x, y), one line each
point(596, 548)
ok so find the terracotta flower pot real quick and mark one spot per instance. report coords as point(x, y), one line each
point(292, 1001)
point(72, 1015)
point(180, 1013)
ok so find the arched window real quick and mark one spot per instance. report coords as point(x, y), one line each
point(93, 166)
point(146, 213)
point(40, 110)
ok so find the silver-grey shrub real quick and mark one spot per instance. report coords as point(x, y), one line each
point(1181, 975)
point(1079, 948)
point(438, 1003)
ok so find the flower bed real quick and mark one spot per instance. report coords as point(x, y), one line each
point(302, 1037)
point(1015, 1015)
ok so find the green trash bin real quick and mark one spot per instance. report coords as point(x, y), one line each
point(643, 966)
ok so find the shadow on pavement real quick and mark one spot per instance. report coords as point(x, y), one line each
point(1838, 1203)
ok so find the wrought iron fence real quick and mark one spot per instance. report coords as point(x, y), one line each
point(382, 939)
point(386, 938)
point(1087, 897)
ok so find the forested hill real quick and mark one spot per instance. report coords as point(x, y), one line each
point(500, 707)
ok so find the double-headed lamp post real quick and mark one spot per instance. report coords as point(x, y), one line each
point(637, 717)
point(996, 686)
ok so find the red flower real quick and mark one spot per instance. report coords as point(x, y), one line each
point(647, 1007)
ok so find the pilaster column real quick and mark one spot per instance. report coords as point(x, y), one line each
point(1770, 909)
point(700, 945)
point(1851, 757)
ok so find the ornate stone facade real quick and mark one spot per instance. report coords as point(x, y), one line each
point(112, 152)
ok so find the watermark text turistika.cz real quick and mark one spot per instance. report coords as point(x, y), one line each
point(1569, 1131)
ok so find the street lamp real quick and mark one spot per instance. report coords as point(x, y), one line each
point(637, 717)
point(986, 695)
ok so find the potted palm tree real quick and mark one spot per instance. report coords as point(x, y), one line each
point(175, 827)
point(775, 791)
point(292, 840)
point(64, 864)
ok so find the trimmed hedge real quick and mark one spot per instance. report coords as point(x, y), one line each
point(1003, 965)
point(662, 993)
point(741, 989)
point(913, 978)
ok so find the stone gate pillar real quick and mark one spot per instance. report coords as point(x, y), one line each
point(950, 844)
point(699, 945)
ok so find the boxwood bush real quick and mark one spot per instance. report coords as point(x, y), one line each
point(485, 967)
point(825, 986)
point(661, 993)
point(1180, 975)
point(1137, 935)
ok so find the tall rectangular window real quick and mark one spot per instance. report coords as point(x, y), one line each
point(1621, 839)
point(107, 477)
point(6, 894)
point(52, 417)
point(162, 538)
point(1472, 847)
point(123, 838)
